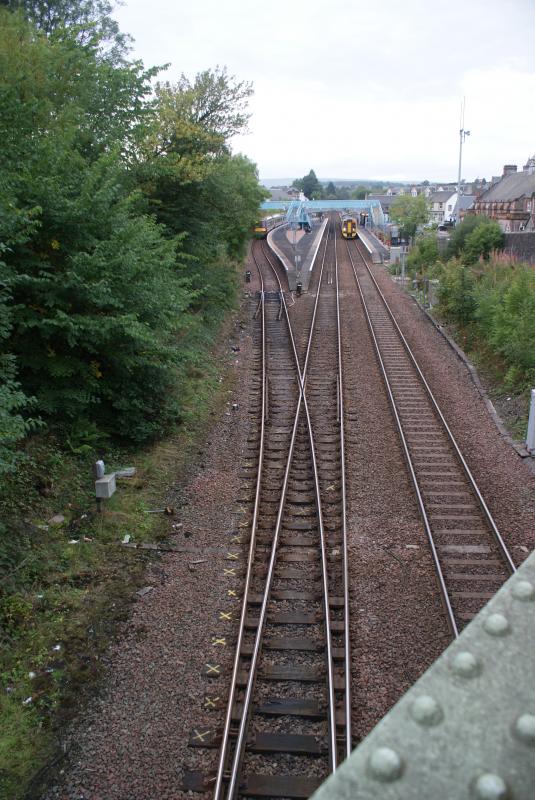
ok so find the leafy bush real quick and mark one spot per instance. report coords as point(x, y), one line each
point(456, 292)
point(496, 303)
point(464, 242)
point(14, 404)
point(123, 216)
point(482, 241)
point(423, 255)
point(513, 324)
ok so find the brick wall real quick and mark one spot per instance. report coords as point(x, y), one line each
point(521, 245)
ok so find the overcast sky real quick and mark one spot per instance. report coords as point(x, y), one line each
point(360, 89)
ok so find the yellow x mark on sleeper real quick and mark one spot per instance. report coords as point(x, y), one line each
point(200, 735)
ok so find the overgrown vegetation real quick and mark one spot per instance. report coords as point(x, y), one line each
point(123, 215)
point(488, 297)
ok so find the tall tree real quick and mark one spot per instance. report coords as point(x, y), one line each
point(330, 191)
point(92, 285)
point(309, 185)
point(89, 19)
point(360, 193)
point(410, 212)
point(186, 167)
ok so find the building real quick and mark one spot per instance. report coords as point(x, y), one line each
point(284, 193)
point(511, 201)
point(386, 201)
point(456, 206)
point(439, 202)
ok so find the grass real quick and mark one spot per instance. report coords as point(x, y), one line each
point(65, 587)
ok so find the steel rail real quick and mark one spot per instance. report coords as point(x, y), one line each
point(497, 536)
point(239, 746)
point(442, 584)
point(345, 564)
point(436, 561)
point(250, 560)
point(323, 545)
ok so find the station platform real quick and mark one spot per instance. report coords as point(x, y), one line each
point(374, 246)
point(297, 250)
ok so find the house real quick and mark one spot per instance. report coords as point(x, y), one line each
point(511, 201)
point(439, 201)
point(386, 201)
point(456, 206)
point(284, 193)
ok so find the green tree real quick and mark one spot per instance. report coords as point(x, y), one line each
point(409, 213)
point(424, 254)
point(482, 241)
point(461, 232)
point(330, 191)
point(513, 323)
point(93, 290)
point(309, 185)
point(360, 193)
point(90, 20)
point(187, 170)
point(14, 404)
point(456, 293)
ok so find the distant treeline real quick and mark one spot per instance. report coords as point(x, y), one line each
point(122, 213)
point(315, 189)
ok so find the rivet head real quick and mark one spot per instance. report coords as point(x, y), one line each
point(490, 787)
point(523, 590)
point(385, 765)
point(497, 625)
point(466, 665)
point(426, 711)
point(524, 728)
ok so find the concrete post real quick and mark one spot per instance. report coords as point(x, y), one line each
point(530, 438)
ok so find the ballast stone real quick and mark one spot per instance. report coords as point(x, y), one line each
point(466, 729)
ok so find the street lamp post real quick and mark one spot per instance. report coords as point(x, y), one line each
point(462, 136)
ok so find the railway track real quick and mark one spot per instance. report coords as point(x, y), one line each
point(469, 555)
point(288, 716)
point(288, 720)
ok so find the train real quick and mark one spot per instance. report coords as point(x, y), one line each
point(265, 225)
point(349, 227)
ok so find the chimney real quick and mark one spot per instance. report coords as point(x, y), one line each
point(530, 166)
point(509, 169)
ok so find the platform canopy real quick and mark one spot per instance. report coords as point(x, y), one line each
point(372, 207)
